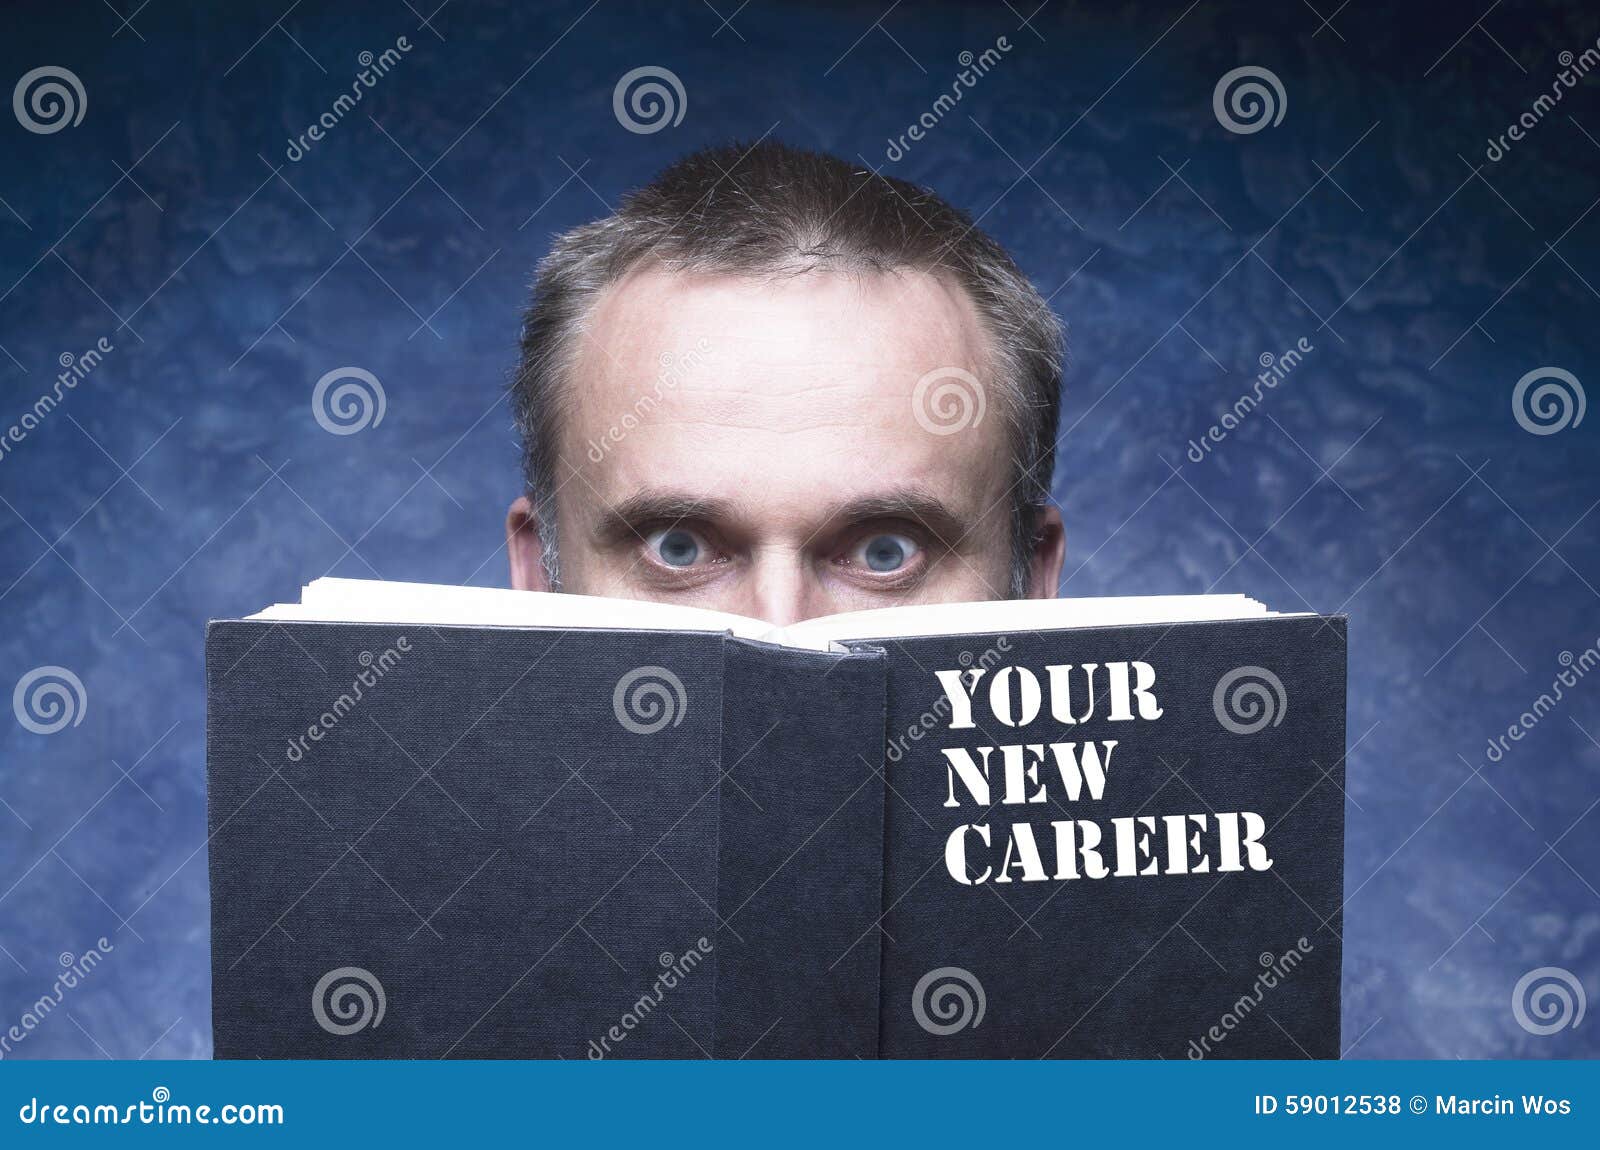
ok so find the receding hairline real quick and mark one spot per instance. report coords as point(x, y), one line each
point(974, 331)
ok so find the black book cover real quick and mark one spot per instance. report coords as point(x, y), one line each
point(482, 842)
point(531, 842)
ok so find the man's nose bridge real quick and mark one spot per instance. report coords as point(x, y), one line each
point(782, 586)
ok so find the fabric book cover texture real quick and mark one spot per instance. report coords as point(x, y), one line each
point(494, 842)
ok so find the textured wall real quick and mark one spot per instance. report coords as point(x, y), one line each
point(185, 478)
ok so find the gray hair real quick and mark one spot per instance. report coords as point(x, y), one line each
point(775, 210)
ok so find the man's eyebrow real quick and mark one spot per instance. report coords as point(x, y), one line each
point(627, 519)
point(922, 507)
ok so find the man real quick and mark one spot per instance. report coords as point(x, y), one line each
point(776, 384)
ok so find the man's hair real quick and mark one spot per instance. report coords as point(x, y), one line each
point(774, 210)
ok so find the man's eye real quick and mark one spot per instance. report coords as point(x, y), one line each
point(885, 554)
point(676, 547)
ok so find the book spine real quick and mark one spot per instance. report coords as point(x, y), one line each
point(800, 872)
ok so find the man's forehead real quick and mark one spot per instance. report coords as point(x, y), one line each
point(868, 319)
point(789, 390)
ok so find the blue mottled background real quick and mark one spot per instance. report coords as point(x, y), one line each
point(186, 478)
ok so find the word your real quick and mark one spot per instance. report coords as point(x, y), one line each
point(1277, 968)
point(76, 369)
point(676, 968)
point(1275, 372)
point(972, 69)
point(1016, 697)
point(376, 668)
point(1572, 70)
point(77, 970)
point(373, 68)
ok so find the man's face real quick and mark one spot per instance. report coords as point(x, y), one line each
point(754, 446)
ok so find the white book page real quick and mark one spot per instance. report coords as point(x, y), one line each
point(1012, 615)
point(330, 600)
point(429, 604)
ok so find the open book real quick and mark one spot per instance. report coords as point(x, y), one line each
point(468, 822)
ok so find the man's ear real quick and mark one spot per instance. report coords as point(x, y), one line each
point(1049, 553)
point(525, 547)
